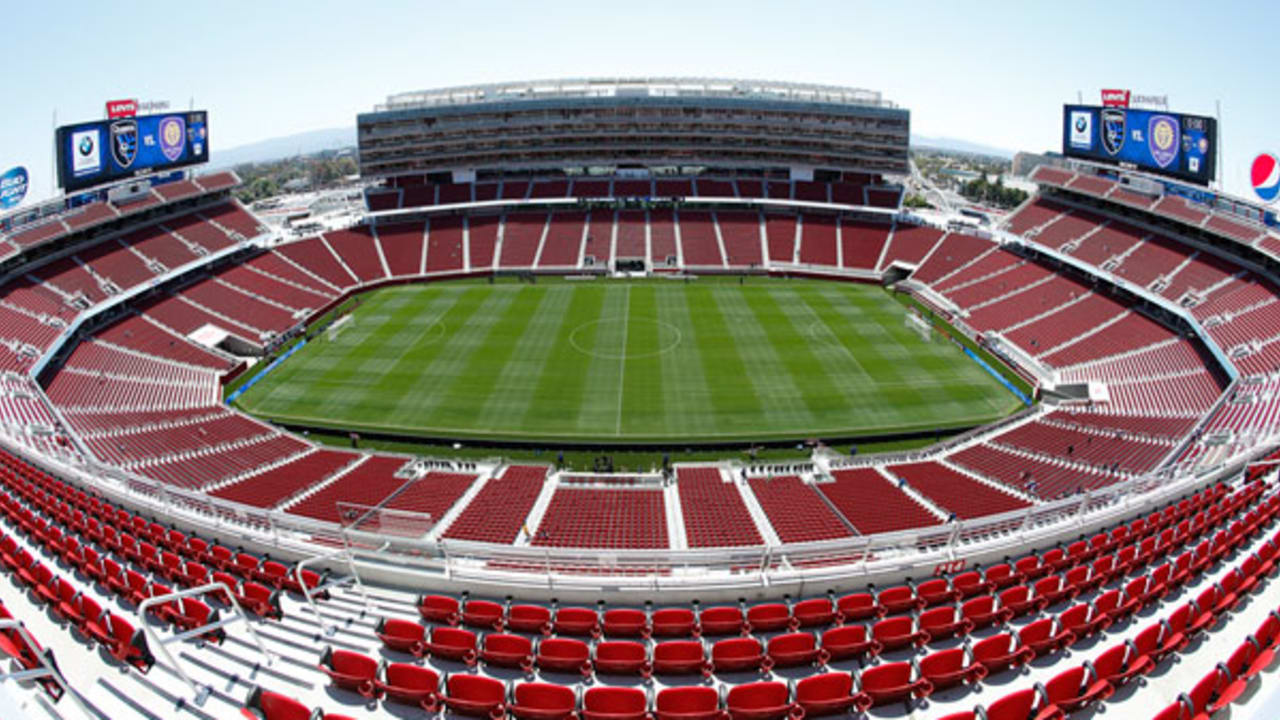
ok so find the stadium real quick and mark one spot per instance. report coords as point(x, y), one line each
point(1087, 522)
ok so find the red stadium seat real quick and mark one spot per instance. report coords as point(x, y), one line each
point(1001, 652)
point(451, 643)
point(530, 619)
point(825, 694)
point(563, 655)
point(738, 654)
point(688, 703)
point(814, 613)
point(898, 632)
point(949, 668)
point(935, 592)
point(1073, 689)
point(859, 606)
point(890, 682)
point(350, 670)
point(900, 599)
point(944, 622)
point(770, 617)
point(409, 684)
point(438, 609)
point(726, 620)
point(505, 650)
point(543, 701)
point(680, 657)
point(626, 623)
point(614, 703)
point(475, 695)
point(576, 621)
point(267, 705)
point(797, 648)
point(402, 636)
point(760, 701)
point(1045, 636)
point(621, 657)
point(675, 622)
point(981, 612)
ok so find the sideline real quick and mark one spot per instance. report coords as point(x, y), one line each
point(263, 373)
point(994, 373)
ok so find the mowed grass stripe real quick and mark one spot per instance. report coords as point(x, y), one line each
point(688, 405)
point(530, 346)
point(730, 397)
point(561, 380)
point(643, 404)
point(603, 341)
point(477, 381)
point(921, 382)
point(439, 370)
point(896, 393)
point(781, 398)
point(331, 378)
point(394, 361)
point(824, 388)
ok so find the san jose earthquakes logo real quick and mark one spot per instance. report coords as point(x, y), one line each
point(1113, 130)
point(1265, 175)
point(124, 142)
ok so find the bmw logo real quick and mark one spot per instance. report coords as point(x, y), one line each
point(86, 145)
point(1080, 124)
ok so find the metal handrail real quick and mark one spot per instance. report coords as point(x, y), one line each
point(200, 692)
point(308, 594)
point(46, 669)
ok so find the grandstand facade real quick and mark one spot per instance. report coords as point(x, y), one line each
point(634, 123)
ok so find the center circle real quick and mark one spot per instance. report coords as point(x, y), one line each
point(583, 338)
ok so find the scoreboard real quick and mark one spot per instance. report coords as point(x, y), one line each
point(1173, 144)
point(103, 151)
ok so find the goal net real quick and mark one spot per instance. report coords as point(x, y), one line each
point(921, 326)
point(338, 326)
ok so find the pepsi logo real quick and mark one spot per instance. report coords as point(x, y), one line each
point(1265, 175)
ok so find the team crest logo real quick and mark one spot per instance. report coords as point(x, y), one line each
point(1113, 130)
point(124, 142)
point(1163, 137)
point(173, 137)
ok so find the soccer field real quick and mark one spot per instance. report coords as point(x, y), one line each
point(642, 361)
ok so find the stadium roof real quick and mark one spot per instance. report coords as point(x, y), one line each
point(635, 87)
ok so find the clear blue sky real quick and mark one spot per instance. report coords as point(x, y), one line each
point(994, 73)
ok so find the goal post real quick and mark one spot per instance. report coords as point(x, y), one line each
point(334, 330)
point(922, 327)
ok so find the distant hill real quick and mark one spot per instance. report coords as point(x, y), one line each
point(275, 148)
point(963, 146)
point(334, 138)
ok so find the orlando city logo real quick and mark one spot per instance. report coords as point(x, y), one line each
point(1163, 136)
point(173, 133)
point(124, 142)
point(1113, 127)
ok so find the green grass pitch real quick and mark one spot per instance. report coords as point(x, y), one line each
point(630, 362)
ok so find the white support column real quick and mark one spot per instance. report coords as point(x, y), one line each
point(466, 244)
point(426, 241)
point(724, 253)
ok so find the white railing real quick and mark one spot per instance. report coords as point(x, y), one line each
point(859, 557)
point(199, 692)
point(45, 669)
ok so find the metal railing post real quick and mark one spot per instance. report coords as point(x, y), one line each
point(46, 668)
point(309, 594)
point(200, 691)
